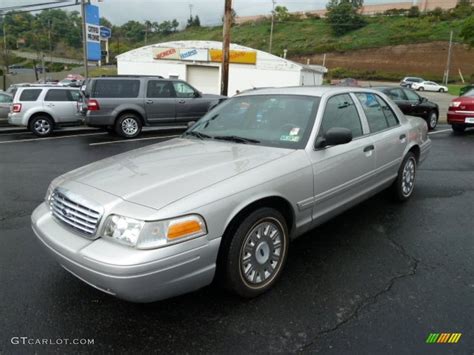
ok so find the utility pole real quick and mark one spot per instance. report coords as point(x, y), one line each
point(271, 27)
point(84, 37)
point(191, 11)
point(226, 47)
point(448, 65)
point(50, 45)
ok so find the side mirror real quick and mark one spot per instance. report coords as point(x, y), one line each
point(191, 123)
point(197, 94)
point(334, 136)
point(423, 99)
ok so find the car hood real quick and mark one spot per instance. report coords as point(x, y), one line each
point(160, 174)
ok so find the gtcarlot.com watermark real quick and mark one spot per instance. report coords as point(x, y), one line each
point(50, 341)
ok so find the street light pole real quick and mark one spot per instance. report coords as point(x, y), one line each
point(271, 27)
point(84, 37)
point(226, 47)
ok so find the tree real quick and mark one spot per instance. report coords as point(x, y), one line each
point(133, 31)
point(414, 11)
point(233, 15)
point(193, 21)
point(104, 22)
point(467, 31)
point(343, 16)
point(281, 13)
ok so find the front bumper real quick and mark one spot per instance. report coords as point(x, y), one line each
point(127, 273)
point(459, 118)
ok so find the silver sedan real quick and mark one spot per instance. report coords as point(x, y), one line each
point(225, 199)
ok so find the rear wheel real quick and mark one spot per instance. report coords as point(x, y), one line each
point(256, 253)
point(42, 126)
point(458, 128)
point(441, 90)
point(432, 120)
point(128, 125)
point(405, 183)
point(421, 88)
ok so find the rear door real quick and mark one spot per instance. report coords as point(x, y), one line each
point(62, 104)
point(342, 172)
point(160, 101)
point(388, 135)
point(190, 104)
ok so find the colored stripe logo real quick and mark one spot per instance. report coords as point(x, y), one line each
point(443, 338)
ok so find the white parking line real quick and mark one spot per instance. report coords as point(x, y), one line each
point(133, 140)
point(50, 138)
point(442, 131)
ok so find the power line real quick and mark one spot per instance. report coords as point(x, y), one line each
point(11, 8)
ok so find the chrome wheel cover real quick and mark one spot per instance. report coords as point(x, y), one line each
point(130, 126)
point(42, 126)
point(408, 177)
point(433, 120)
point(262, 253)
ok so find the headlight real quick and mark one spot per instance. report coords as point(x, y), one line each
point(149, 235)
point(51, 187)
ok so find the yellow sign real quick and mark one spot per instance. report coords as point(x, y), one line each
point(240, 57)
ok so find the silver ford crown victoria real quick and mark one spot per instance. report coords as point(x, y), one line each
point(226, 197)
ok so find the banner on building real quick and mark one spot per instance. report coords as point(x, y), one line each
point(239, 57)
point(190, 54)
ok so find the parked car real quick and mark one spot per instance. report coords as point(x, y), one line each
point(123, 104)
point(429, 86)
point(461, 112)
point(228, 195)
point(413, 104)
point(348, 82)
point(45, 108)
point(5, 103)
point(409, 80)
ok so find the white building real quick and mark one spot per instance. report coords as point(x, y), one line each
point(199, 63)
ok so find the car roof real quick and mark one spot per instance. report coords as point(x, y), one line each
point(316, 91)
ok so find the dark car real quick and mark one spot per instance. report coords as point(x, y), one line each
point(123, 104)
point(461, 112)
point(410, 103)
point(465, 89)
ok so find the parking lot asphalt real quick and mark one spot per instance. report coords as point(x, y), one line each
point(377, 279)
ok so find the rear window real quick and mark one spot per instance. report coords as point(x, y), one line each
point(30, 94)
point(105, 88)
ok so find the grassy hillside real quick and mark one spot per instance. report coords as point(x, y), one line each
point(312, 36)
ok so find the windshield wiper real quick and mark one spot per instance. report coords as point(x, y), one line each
point(197, 134)
point(237, 139)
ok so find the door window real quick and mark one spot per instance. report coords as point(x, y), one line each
point(58, 95)
point(112, 88)
point(30, 94)
point(159, 89)
point(412, 96)
point(341, 112)
point(396, 94)
point(183, 90)
point(379, 115)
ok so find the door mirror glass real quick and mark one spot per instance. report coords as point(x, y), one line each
point(334, 136)
point(423, 99)
point(197, 94)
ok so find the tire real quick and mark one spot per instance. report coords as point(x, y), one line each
point(458, 128)
point(128, 125)
point(245, 266)
point(441, 90)
point(421, 88)
point(432, 120)
point(405, 183)
point(41, 126)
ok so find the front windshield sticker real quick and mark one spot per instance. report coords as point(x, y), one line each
point(290, 138)
point(294, 131)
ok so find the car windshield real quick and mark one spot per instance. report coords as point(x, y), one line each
point(469, 93)
point(283, 121)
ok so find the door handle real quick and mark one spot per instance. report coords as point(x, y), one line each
point(149, 101)
point(403, 136)
point(181, 102)
point(50, 105)
point(369, 148)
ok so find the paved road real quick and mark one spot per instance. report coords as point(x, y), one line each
point(34, 56)
point(377, 279)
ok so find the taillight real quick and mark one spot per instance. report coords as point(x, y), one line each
point(93, 105)
point(16, 108)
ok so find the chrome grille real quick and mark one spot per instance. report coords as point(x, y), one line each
point(75, 212)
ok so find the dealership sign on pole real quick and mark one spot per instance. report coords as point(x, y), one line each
point(105, 33)
point(93, 32)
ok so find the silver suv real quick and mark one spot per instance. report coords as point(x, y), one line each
point(44, 108)
point(124, 104)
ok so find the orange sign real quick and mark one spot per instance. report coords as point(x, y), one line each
point(240, 57)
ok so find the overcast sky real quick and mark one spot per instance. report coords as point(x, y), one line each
point(209, 11)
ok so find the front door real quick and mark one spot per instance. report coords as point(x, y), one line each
point(342, 172)
point(160, 102)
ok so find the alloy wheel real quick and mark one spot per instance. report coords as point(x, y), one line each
point(42, 126)
point(129, 126)
point(408, 177)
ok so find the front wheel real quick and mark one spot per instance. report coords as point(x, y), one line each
point(128, 125)
point(432, 120)
point(405, 183)
point(421, 88)
point(441, 90)
point(254, 258)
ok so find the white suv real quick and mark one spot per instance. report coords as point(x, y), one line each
point(44, 108)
